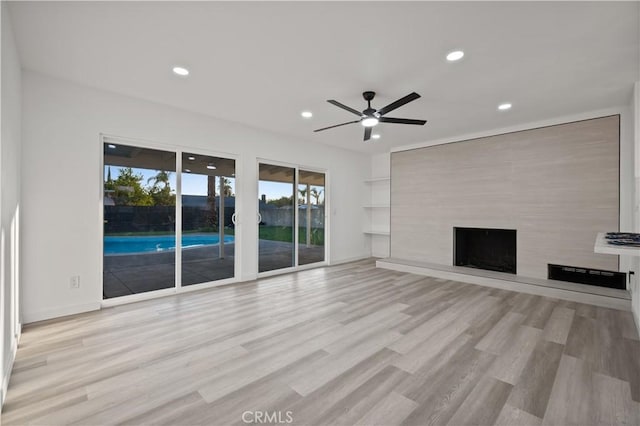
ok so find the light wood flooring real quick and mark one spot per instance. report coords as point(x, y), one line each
point(342, 345)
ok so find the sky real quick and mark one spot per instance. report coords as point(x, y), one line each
point(194, 184)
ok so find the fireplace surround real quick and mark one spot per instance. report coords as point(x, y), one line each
point(558, 186)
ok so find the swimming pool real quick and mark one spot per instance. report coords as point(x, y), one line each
point(158, 243)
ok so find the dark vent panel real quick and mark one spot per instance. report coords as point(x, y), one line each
point(574, 274)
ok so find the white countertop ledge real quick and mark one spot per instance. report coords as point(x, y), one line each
point(602, 247)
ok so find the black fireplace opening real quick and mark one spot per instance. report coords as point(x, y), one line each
point(485, 248)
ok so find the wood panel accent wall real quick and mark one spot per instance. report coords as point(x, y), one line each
point(557, 186)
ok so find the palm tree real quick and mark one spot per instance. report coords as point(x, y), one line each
point(315, 193)
point(161, 177)
point(226, 187)
point(160, 191)
point(303, 193)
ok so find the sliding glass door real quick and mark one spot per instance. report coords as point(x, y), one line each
point(276, 216)
point(139, 220)
point(311, 191)
point(169, 218)
point(291, 217)
point(166, 227)
point(208, 212)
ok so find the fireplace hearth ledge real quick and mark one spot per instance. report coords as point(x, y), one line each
point(581, 293)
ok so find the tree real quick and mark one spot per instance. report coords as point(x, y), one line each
point(282, 201)
point(161, 177)
point(315, 193)
point(303, 193)
point(160, 191)
point(228, 192)
point(128, 190)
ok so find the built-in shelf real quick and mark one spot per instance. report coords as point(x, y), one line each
point(377, 232)
point(377, 213)
point(601, 246)
point(379, 179)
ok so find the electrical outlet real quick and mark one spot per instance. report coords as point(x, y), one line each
point(74, 282)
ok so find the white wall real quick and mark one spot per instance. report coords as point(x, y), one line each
point(61, 184)
point(10, 197)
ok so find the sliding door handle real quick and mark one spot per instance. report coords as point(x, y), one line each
point(259, 218)
point(233, 218)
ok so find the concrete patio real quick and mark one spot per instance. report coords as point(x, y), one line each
point(139, 273)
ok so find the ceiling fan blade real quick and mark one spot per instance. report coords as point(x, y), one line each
point(343, 106)
point(402, 121)
point(367, 133)
point(397, 104)
point(337, 125)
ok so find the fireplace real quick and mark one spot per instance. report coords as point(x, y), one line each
point(485, 248)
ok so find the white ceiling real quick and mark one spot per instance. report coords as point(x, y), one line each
point(263, 63)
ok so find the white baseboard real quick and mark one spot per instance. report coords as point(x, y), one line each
point(8, 367)
point(557, 293)
point(246, 277)
point(62, 311)
point(349, 260)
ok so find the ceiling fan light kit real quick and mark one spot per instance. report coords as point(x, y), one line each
point(370, 121)
point(371, 117)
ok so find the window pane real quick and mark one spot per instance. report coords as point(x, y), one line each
point(276, 206)
point(139, 220)
point(311, 213)
point(208, 205)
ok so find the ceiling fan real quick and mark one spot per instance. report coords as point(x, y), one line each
point(371, 117)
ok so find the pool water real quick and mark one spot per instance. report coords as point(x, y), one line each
point(158, 243)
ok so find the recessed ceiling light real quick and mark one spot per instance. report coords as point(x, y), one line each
point(504, 107)
point(181, 71)
point(456, 55)
point(211, 166)
point(369, 122)
point(191, 157)
point(187, 170)
point(306, 114)
point(112, 146)
point(375, 136)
